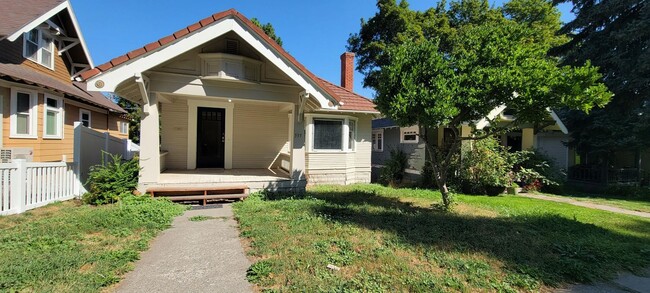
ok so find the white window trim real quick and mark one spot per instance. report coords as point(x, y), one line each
point(192, 112)
point(123, 125)
point(403, 130)
point(344, 133)
point(39, 54)
point(90, 117)
point(60, 109)
point(355, 132)
point(381, 147)
point(33, 114)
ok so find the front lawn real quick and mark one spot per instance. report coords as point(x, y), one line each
point(69, 247)
point(387, 239)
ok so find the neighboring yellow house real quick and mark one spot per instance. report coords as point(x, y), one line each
point(224, 104)
point(42, 52)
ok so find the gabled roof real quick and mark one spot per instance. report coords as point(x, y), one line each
point(17, 14)
point(356, 102)
point(77, 90)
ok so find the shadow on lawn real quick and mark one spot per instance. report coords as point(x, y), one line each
point(549, 248)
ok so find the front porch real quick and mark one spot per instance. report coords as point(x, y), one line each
point(256, 179)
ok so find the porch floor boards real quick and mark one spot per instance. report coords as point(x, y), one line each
point(212, 176)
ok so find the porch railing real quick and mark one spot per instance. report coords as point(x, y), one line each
point(605, 176)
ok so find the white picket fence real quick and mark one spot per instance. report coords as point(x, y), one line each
point(26, 185)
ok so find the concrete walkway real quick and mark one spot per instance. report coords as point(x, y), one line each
point(193, 256)
point(625, 283)
point(587, 204)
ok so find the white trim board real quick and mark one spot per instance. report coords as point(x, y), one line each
point(192, 108)
point(112, 78)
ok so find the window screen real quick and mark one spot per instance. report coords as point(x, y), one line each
point(328, 134)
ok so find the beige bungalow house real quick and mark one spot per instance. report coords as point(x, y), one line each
point(224, 104)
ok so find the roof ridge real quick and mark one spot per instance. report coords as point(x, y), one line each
point(345, 89)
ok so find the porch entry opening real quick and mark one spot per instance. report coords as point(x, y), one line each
point(210, 137)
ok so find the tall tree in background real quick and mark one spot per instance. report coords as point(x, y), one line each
point(134, 111)
point(268, 29)
point(452, 65)
point(615, 36)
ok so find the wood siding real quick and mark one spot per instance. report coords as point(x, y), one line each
point(343, 168)
point(12, 53)
point(51, 150)
point(261, 133)
point(174, 129)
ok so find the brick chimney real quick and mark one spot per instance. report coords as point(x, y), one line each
point(347, 71)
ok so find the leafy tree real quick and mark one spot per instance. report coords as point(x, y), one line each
point(615, 36)
point(451, 65)
point(134, 112)
point(268, 29)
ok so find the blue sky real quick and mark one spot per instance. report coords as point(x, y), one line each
point(314, 32)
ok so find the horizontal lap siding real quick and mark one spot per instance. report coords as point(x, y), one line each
point(343, 168)
point(260, 134)
point(47, 150)
point(174, 133)
point(12, 52)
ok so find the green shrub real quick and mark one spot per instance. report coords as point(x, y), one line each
point(111, 180)
point(486, 165)
point(393, 171)
point(538, 172)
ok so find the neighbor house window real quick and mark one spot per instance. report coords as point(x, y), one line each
point(53, 117)
point(124, 127)
point(39, 47)
point(409, 134)
point(328, 134)
point(85, 117)
point(352, 134)
point(378, 140)
point(23, 113)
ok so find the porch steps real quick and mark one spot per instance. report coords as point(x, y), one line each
point(200, 193)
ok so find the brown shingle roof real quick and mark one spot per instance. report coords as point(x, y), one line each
point(78, 90)
point(18, 13)
point(356, 102)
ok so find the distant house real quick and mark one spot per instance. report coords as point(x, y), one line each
point(387, 135)
point(42, 53)
point(224, 104)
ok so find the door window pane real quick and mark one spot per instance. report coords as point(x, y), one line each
point(328, 134)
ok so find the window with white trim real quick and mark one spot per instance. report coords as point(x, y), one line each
point(352, 134)
point(85, 117)
point(23, 113)
point(409, 134)
point(328, 134)
point(378, 140)
point(38, 46)
point(52, 117)
point(124, 127)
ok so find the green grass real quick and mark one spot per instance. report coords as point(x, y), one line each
point(634, 204)
point(69, 247)
point(392, 240)
point(201, 218)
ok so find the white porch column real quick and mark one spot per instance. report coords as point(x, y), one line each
point(298, 146)
point(150, 142)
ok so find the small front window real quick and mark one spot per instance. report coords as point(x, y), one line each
point(409, 134)
point(53, 117)
point(124, 127)
point(38, 46)
point(352, 134)
point(23, 113)
point(85, 117)
point(378, 140)
point(328, 134)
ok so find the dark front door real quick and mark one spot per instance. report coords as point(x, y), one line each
point(210, 137)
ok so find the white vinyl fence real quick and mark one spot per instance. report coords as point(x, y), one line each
point(25, 186)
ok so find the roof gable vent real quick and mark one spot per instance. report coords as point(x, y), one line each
point(232, 47)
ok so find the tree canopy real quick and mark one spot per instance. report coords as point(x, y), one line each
point(615, 36)
point(452, 64)
point(268, 29)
